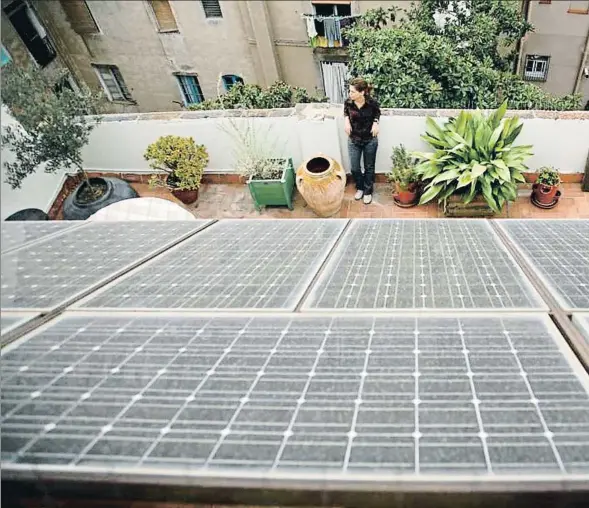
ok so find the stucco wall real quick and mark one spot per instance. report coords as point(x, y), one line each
point(38, 190)
point(559, 139)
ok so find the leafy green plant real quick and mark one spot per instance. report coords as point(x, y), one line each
point(416, 63)
point(53, 125)
point(255, 150)
point(403, 172)
point(249, 96)
point(182, 161)
point(547, 175)
point(474, 155)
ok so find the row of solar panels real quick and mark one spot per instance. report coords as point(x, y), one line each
point(164, 364)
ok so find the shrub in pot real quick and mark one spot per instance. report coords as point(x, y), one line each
point(545, 189)
point(270, 177)
point(404, 177)
point(474, 157)
point(182, 163)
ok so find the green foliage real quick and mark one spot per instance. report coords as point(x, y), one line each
point(248, 96)
point(417, 64)
point(53, 127)
point(547, 175)
point(403, 171)
point(256, 154)
point(474, 155)
point(180, 158)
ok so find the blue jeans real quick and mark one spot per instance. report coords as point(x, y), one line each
point(367, 149)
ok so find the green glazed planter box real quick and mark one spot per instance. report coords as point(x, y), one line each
point(274, 192)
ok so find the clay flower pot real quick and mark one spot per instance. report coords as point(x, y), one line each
point(186, 196)
point(544, 194)
point(405, 197)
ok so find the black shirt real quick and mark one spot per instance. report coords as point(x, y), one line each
point(362, 118)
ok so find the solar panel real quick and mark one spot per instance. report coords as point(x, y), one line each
point(357, 395)
point(422, 264)
point(52, 271)
point(559, 250)
point(235, 264)
point(582, 322)
point(10, 321)
point(17, 234)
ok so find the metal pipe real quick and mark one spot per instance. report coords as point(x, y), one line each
point(582, 66)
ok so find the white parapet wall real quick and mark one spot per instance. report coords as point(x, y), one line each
point(38, 190)
point(560, 139)
point(117, 144)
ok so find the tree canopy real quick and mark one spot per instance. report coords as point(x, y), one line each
point(447, 54)
point(53, 127)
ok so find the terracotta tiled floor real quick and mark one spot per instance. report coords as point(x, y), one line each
point(234, 201)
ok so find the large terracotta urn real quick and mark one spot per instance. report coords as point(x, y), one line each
point(322, 181)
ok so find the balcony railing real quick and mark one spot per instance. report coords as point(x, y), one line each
point(326, 31)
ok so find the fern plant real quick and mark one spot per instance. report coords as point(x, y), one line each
point(474, 155)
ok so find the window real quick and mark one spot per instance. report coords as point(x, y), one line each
point(5, 57)
point(190, 88)
point(231, 79)
point(579, 7)
point(212, 8)
point(31, 31)
point(329, 9)
point(79, 15)
point(536, 68)
point(113, 83)
point(164, 16)
point(67, 82)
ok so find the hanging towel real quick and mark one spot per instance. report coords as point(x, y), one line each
point(338, 32)
point(330, 31)
point(311, 30)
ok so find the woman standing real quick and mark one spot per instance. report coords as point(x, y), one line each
point(362, 114)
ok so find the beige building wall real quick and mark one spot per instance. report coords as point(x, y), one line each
point(562, 36)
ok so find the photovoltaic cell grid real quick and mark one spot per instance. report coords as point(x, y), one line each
point(16, 234)
point(559, 250)
point(52, 271)
point(235, 264)
point(582, 322)
point(422, 264)
point(353, 394)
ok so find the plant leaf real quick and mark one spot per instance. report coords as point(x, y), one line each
point(431, 192)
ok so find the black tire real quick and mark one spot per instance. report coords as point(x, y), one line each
point(28, 214)
point(117, 190)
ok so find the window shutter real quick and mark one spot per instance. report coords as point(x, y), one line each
point(212, 8)
point(164, 15)
point(79, 16)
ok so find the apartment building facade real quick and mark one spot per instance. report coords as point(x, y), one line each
point(162, 55)
point(555, 56)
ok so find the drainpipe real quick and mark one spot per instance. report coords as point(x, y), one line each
point(526, 10)
point(582, 66)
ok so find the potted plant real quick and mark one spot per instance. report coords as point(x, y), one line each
point(404, 178)
point(545, 193)
point(475, 167)
point(270, 178)
point(51, 130)
point(182, 163)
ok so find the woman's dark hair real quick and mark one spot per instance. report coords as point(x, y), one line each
point(361, 85)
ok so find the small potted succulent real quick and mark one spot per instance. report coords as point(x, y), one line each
point(545, 191)
point(182, 163)
point(404, 177)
